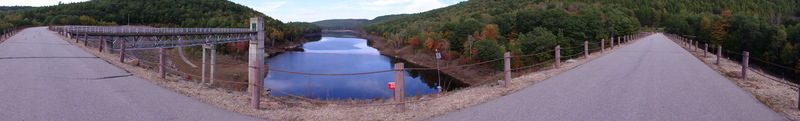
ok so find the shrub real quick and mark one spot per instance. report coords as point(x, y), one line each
point(489, 50)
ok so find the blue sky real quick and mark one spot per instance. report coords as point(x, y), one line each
point(309, 10)
point(315, 10)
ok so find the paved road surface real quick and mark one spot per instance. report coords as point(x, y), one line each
point(652, 79)
point(44, 78)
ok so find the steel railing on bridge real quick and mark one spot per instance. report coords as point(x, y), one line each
point(132, 38)
point(121, 38)
point(141, 31)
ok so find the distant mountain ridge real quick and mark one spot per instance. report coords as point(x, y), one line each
point(341, 24)
point(353, 24)
point(12, 8)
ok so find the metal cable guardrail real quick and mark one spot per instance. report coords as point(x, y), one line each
point(684, 42)
point(575, 55)
point(731, 52)
point(773, 64)
point(348, 102)
point(533, 65)
point(535, 54)
point(315, 100)
point(331, 53)
point(146, 57)
point(452, 67)
point(573, 47)
point(8, 33)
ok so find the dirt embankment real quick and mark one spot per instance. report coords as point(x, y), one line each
point(472, 75)
point(274, 49)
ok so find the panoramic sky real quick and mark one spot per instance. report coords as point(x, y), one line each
point(308, 10)
point(35, 2)
point(315, 10)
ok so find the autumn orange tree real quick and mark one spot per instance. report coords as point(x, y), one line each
point(717, 29)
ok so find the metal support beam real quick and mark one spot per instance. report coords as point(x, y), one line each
point(204, 65)
point(109, 45)
point(213, 50)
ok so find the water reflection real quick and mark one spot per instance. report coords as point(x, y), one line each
point(357, 57)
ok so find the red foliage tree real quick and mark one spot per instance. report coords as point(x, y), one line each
point(238, 47)
point(447, 56)
point(414, 41)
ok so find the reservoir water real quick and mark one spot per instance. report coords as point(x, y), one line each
point(337, 55)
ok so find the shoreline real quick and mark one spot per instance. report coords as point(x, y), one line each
point(471, 76)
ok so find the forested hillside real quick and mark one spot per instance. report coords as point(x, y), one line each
point(480, 30)
point(157, 13)
point(477, 29)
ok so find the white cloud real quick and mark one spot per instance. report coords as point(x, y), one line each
point(417, 6)
point(270, 6)
point(386, 2)
point(315, 10)
point(36, 2)
point(398, 6)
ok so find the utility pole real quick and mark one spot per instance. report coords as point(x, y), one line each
point(438, 71)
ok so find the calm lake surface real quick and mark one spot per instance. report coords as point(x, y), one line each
point(355, 56)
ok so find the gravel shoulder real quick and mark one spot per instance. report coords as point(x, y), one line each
point(779, 95)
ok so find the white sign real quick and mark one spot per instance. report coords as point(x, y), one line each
point(438, 55)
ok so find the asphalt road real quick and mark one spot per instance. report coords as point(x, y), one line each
point(44, 78)
point(652, 79)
